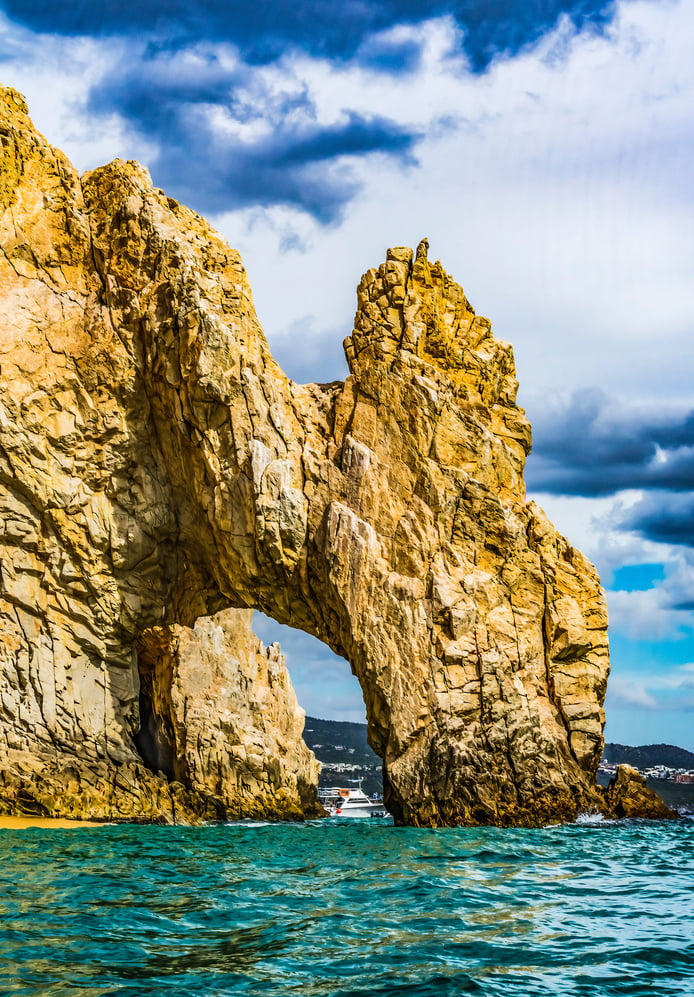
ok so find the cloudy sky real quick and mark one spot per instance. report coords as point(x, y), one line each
point(544, 148)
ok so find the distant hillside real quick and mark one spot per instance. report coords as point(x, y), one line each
point(648, 755)
point(342, 749)
point(339, 741)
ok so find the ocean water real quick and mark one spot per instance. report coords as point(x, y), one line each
point(348, 908)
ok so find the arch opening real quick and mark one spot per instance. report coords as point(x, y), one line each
point(218, 715)
point(330, 694)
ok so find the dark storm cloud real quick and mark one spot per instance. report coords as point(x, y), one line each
point(389, 55)
point(173, 90)
point(169, 99)
point(262, 31)
point(666, 518)
point(591, 448)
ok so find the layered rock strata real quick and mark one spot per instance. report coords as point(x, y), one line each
point(157, 466)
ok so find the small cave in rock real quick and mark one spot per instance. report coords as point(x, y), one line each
point(155, 741)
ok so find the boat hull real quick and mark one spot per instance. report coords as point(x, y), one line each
point(358, 811)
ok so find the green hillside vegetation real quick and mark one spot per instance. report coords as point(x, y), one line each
point(648, 755)
point(339, 742)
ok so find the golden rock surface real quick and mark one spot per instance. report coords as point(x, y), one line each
point(628, 795)
point(157, 467)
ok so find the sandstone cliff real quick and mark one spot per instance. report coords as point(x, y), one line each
point(156, 466)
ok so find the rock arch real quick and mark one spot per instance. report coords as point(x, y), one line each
point(157, 466)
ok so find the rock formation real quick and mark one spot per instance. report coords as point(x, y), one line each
point(86, 520)
point(218, 712)
point(629, 796)
point(156, 466)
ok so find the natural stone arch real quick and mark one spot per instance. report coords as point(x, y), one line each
point(181, 472)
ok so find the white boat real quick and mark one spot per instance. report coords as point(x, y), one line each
point(351, 803)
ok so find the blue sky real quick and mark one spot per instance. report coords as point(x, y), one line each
point(543, 147)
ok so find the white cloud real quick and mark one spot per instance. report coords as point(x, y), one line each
point(555, 186)
point(54, 74)
point(644, 615)
point(630, 691)
point(664, 611)
point(593, 525)
point(558, 194)
point(589, 524)
point(662, 691)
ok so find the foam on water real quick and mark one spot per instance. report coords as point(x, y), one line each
point(330, 909)
point(593, 818)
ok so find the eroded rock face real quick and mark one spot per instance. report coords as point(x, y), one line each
point(218, 712)
point(220, 737)
point(157, 466)
point(628, 795)
point(88, 522)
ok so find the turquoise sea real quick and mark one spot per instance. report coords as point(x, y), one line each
point(348, 908)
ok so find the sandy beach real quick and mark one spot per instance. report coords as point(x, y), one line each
point(20, 823)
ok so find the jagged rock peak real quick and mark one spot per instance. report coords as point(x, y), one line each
point(157, 467)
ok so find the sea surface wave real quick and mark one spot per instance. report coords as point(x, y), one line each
point(342, 908)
